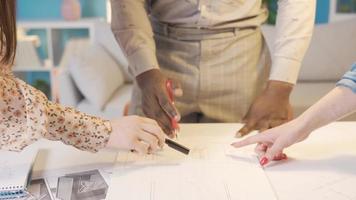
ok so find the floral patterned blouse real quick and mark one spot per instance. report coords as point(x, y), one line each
point(26, 115)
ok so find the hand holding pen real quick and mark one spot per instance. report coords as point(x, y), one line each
point(174, 122)
point(156, 99)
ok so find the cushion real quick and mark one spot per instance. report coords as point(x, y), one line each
point(118, 101)
point(115, 106)
point(69, 92)
point(96, 74)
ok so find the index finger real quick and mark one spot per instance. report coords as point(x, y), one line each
point(156, 131)
point(246, 129)
point(168, 107)
point(259, 138)
point(150, 121)
point(177, 88)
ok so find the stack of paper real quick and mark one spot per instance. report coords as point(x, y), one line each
point(15, 170)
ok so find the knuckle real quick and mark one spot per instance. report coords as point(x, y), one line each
point(159, 115)
point(155, 122)
point(134, 117)
point(146, 111)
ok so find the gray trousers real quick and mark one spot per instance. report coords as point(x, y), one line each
point(220, 73)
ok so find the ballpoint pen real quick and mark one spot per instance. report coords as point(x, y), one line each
point(174, 123)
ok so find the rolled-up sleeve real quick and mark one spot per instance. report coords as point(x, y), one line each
point(295, 22)
point(348, 80)
point(132, 29)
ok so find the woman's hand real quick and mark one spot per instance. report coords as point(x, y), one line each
point(270, 143)
point(136, 133)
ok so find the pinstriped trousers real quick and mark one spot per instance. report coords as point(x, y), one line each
point(220, 75)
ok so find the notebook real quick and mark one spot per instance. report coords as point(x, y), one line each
point(15, 173)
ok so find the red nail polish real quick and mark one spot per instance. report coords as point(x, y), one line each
point(285, 156)
point(264, 161)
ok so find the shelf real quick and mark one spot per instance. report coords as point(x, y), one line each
point(60, 24)
point(32, 69)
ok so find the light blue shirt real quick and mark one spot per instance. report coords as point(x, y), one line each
point(349, 79)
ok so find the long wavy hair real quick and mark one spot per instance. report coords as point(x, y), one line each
point(8, 39)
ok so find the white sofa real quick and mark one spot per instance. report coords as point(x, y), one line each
point(70, 95)
point(332, 51)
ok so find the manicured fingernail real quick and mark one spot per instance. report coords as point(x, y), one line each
point(281, 156)
point(264, 161)
point(284, 156)
point(238, 135)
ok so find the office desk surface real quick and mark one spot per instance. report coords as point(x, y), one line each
point(322, 167)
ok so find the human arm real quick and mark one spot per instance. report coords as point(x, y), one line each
point(133, 32)
point(295, 21)
point(27, 116)
point(336, 104)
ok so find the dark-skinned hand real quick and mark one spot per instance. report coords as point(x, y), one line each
point(270, 109)
point(155, 100)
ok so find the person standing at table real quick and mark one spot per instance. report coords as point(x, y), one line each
point(338, 103)
point(26, 115)
point(215, 52)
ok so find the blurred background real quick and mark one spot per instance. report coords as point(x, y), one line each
point(60, 40)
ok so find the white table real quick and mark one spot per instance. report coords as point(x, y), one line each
point(323, 167)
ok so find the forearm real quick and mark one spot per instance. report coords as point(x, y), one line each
point(336, 104)
point(132, 29)
point(75, 128)
point(294, 28)
point(27, 115)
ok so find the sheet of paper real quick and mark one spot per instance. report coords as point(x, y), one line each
point(315, 178)
point(213, 170)
point(320, 168)
point(15, 168)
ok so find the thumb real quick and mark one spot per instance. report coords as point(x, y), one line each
point(259, 138)
point(177, 88)
point(275, 150)
point(168, 107)
point(247, 128)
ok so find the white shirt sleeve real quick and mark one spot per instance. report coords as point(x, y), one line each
point(295, 22)
point(132, 29)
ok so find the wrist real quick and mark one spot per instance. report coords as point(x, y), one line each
point(279, 89)
point(306, 123)
point(148, 78)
